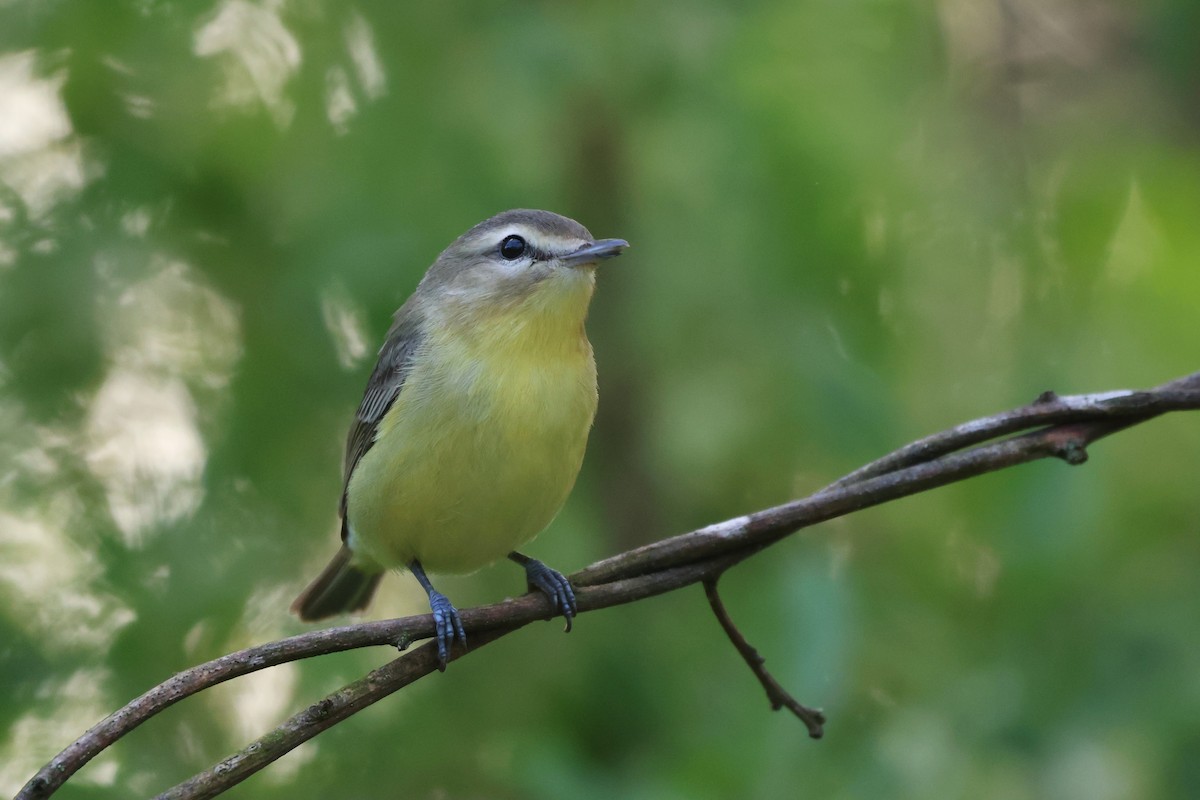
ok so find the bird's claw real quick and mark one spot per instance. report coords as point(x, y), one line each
point(555, 586)
point(449, 626)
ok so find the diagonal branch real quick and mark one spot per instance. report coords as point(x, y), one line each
point(1048, 408)
point(1062, 427)
point(397, 674)
point(1086, 419)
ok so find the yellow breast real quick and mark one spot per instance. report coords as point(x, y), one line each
point(484, 442)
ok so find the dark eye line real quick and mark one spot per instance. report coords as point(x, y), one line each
point(531, 252)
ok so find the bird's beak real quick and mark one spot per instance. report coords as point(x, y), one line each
point(596, 251)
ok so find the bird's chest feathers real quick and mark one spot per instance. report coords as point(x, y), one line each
point(507, 382)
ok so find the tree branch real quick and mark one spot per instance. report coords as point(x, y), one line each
point(402, 671)
point(1065, 427)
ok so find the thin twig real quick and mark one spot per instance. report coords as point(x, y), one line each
point(323, 714)
point(779, 697)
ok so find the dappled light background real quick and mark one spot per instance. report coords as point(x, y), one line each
point(853, 224)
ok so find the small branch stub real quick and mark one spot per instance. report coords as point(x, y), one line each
point(1073, 452)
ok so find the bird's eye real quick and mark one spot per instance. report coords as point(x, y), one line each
point(512, 247)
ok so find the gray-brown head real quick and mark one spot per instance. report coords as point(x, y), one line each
point(516, 254)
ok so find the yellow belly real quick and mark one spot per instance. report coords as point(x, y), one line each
point(475, 458)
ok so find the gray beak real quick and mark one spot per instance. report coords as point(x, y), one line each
point(594, 252)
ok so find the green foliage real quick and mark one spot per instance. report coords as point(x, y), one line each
point(852, 224)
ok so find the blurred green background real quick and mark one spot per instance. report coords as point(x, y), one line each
point(853, 224)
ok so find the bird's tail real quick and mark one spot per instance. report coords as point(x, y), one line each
point(340, 588)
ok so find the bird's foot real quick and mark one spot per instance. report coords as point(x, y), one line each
point(445, 616)
point(449, 626)
point(554, 585)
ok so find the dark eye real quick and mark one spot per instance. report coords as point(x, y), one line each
point(512, 247)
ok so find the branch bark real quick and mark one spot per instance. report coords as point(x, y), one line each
point(1052, 426)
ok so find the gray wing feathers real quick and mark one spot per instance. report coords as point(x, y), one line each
point(395, 361)
point(387, 379)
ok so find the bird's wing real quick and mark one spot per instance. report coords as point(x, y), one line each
point(395, 361)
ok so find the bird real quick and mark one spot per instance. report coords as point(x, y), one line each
point(474, 422)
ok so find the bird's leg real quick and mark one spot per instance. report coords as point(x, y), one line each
point(549, 582)
point(445, 616)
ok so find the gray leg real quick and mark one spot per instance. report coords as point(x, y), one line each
point(445, 616)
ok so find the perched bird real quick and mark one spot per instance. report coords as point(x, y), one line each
point(474, 422)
